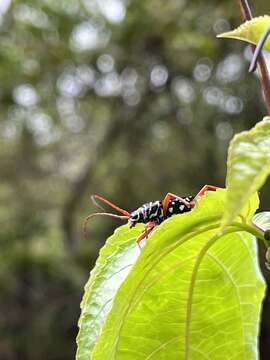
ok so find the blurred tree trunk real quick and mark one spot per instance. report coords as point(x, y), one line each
point(80, 186)
point(123, 124)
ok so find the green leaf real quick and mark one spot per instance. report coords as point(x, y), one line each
point(248, 167)
point(193, 293)
point(262, 219)
point(251, 31)
point(113, 265)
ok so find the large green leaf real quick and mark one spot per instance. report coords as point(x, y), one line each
point(248, 167)
point(193, 293)
point(114, 263)
point(251, 31)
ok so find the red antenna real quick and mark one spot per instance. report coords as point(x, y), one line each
point(94, 198)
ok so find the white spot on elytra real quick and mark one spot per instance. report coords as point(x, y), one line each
point(170, 210)
point(182, 207)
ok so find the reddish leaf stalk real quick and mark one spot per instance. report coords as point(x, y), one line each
point(263, 71)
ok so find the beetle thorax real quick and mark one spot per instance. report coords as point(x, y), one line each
point(152, 211)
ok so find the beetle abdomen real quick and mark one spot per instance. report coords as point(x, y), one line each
point(176, 206)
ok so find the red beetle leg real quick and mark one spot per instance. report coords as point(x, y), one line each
point(144, 235)
point(204, 189)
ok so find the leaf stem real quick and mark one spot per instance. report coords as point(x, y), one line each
point(252, 229)
point(258, 50)
point(193, 279)
point(264, 75)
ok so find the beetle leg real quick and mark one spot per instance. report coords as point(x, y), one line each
point(144, 235)
point(204, 189)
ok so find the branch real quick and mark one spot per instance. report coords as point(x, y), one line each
point(264, 75)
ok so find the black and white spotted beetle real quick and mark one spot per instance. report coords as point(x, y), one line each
point(152, 213)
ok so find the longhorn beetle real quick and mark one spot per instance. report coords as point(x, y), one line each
point(152, 213)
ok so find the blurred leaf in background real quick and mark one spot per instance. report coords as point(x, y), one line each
point(128, 99)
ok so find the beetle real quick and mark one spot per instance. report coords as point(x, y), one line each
point(152, 213)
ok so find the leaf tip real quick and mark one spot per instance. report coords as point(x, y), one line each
point(225, 35)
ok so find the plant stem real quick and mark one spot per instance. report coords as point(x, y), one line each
point(252, 229)
point(264, 75)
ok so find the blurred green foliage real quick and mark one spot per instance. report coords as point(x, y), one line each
point(128, 99)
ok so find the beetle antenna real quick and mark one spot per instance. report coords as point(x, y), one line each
point(122, 217)
point(94, 201)
point(258, 50)
point(94, 198)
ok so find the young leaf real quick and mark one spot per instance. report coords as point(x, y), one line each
point(193, 293)
point(251, 31)
point(248, 167)
point(262, 219)
point(113, 265)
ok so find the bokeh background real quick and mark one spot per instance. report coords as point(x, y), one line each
point(128, 99)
